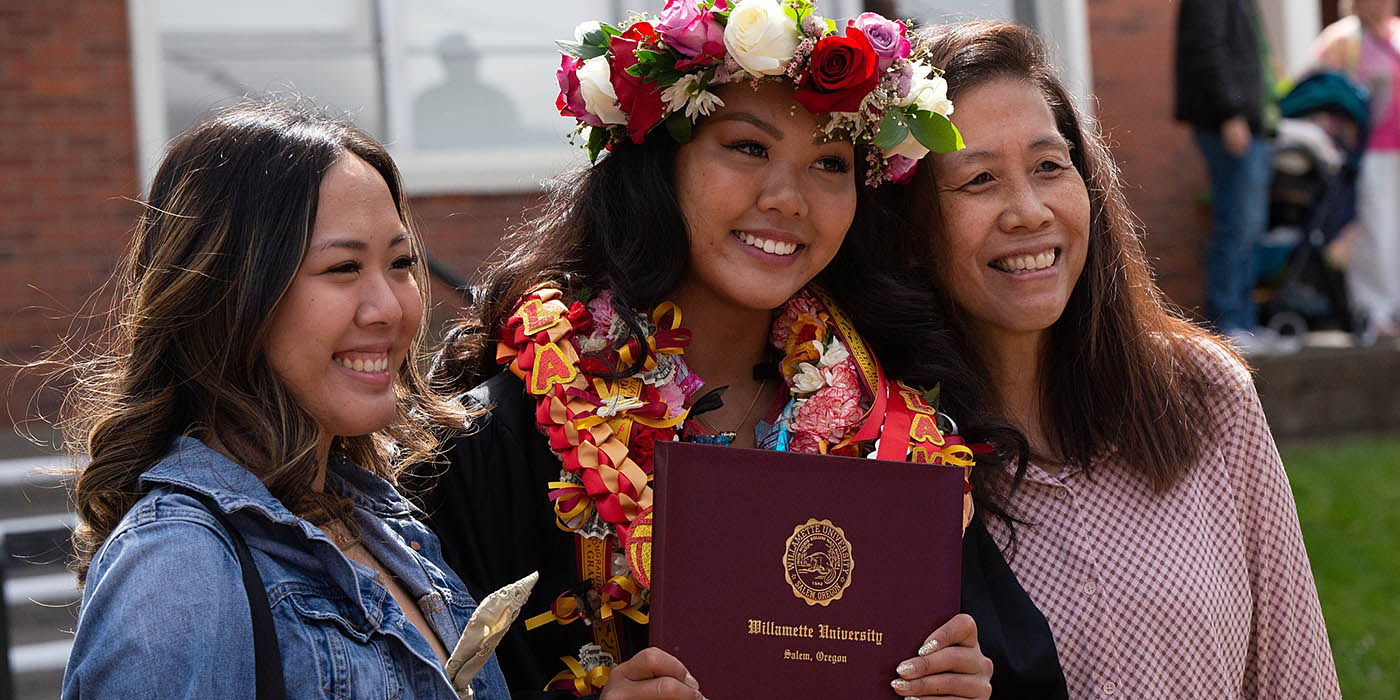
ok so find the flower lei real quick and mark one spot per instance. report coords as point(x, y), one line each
point(604, 430)
point(625, 82)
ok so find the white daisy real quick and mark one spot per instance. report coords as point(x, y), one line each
point(687, 94)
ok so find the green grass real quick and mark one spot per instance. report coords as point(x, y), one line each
point(1348, 494)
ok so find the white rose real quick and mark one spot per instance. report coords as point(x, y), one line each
point(909, 148)
point(760, 36)
point(585, 28)
point(598, 95)
point(929, 94)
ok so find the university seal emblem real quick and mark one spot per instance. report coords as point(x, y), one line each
point(817, 562)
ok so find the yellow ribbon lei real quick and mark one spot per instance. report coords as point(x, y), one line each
point(585, 682)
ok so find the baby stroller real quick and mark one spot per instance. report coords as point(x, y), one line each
point(1317, 154)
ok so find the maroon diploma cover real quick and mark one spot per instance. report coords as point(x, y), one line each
point(776, 574)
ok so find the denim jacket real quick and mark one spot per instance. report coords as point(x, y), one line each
point(164, 613)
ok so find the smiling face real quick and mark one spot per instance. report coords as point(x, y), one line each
point(1014, 210)
point(342, 330)
point(766, 205)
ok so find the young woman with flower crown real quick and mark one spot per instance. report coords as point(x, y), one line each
point(728, 238)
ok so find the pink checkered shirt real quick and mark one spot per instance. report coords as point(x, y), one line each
point(1203, 591)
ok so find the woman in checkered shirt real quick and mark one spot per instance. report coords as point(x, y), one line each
point(1153, 525)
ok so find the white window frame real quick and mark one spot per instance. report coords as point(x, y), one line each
point(1064, 26)
point(425, 172)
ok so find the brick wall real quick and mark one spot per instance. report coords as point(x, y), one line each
point(462, 231)
point(67, 161)
point(68, 175)
point(1133, 52)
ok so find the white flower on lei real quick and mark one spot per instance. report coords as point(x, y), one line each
point(808, 378)
point(687, 94)
point(760, 37)
point(834, 354)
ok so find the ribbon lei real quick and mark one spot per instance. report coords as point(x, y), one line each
point(618, 595)
point(572, 505)
point(580, 681)
point(564, 609)
point(669, 338)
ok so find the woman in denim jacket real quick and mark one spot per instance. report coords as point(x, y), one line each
point(260, 369)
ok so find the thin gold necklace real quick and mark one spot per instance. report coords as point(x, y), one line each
point(727, 436)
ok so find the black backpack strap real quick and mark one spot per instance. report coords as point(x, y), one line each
point(267, 658)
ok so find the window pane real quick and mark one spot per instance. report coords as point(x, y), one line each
point(212, 53)
point(481, 76)
point(954, 10)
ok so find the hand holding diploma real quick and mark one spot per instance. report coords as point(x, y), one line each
point(651, 675)
point(950, 664)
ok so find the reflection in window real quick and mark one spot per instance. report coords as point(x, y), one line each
point(215, 52)
point(423, 75)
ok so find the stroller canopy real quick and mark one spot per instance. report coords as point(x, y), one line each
point(1330, 91)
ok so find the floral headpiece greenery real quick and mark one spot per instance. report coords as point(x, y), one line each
point(657, 72)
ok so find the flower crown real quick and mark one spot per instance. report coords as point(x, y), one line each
point(656, 72)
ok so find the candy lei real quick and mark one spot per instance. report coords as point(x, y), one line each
point(604, 431)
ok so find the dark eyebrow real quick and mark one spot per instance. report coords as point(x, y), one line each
point(973, 155)
point(750, 119)
point(818, 138)
point(355, 243)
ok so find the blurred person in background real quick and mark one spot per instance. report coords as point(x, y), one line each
point(1224, 92)
point(1365, 45)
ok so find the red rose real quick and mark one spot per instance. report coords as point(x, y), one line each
point(641, 100)
point(840, 73)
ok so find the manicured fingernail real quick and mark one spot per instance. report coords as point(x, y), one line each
point(900, 685)
point(690, 681)
point(928, 647)
point(905, 669)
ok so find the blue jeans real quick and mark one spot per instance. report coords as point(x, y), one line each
point(1239, 193)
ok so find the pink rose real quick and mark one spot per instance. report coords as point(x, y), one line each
point(901, 168)
point(886, 36)
point(690, 30)
point(570, 101)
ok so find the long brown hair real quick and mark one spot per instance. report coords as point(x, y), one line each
point(1122, 374)
point(225, 227)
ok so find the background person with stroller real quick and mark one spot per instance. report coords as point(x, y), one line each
point(1366, 46)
